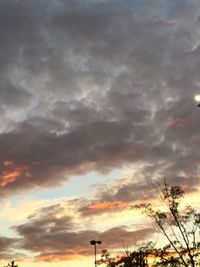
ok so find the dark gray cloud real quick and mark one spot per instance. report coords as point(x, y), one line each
point(96, 85)
point(52, 236)
point(116, 197)
point(122, 194)
point(8, 246)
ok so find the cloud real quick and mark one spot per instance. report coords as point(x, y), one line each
point(99, 206)
point(52, 236)
point(106, 205)
point(120, 195)
point(7, 246)
point(94, 86)
point(89, 85)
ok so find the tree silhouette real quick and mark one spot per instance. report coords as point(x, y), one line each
point(106, 259)
point(12, 264)
point(179, 226)
point(137, 258)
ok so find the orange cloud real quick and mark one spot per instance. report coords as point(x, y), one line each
point(9, 177)
point(107, 205)
point(8, 163)
point(176, 121)
point(54, 257)
point(11, 172)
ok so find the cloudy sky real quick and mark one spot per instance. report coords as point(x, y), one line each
point(96, 103)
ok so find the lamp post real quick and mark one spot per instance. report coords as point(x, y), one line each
point(94, 243)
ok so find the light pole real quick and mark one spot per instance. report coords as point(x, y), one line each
point(94, 243)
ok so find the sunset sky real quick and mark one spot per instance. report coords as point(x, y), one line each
point(97, 103)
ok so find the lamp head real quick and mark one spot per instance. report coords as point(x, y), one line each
point(94, 242)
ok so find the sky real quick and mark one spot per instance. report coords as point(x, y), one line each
point(96, 104)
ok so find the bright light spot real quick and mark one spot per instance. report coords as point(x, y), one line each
point(197, 98)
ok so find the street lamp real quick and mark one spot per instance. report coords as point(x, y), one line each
point(197, 99)
point(94, 243)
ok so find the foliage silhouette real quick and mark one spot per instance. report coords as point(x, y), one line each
point(180, 227)
point(12, 264)
point(137, 258)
